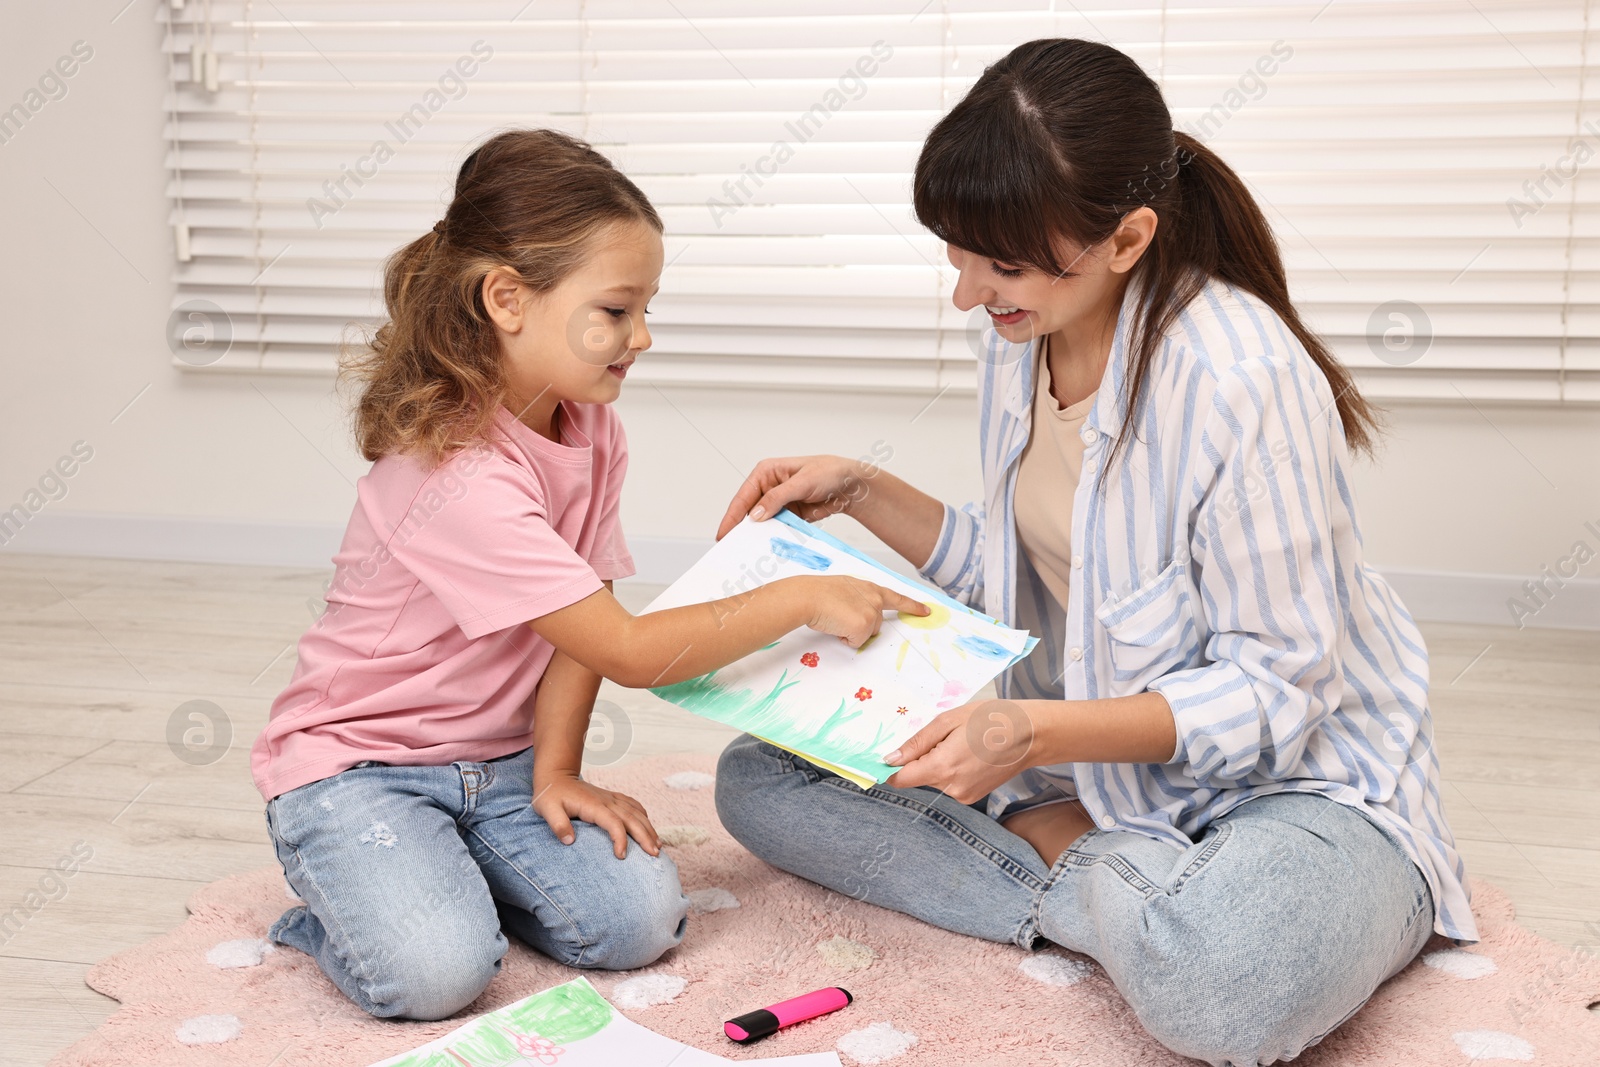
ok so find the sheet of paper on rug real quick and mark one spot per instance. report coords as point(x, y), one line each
point(570, 1025)
point(811, 693)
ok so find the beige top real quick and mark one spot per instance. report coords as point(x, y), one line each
point(1047, 479)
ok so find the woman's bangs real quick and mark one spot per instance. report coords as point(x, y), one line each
point(989, 194)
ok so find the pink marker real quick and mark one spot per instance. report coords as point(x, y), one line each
point(764, 1022)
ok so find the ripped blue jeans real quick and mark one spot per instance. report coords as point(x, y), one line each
point(1258, 940)
point(409, 875)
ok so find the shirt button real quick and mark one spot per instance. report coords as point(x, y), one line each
point(1091, 466)
point(1077, 562)
point(1107, 821)
point(1076, 653)
point(1090, 435)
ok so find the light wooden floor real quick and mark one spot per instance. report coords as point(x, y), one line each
point(96, 655)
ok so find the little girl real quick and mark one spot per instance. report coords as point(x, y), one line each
point(421, 770)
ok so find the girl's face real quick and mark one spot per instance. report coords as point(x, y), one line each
point(577, 341)
point(1024, 302)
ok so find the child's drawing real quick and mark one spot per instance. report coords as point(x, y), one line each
point(568, 1025)
point(810, 692)
point(537, 1029)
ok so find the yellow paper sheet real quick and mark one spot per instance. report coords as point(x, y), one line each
point(846, 774)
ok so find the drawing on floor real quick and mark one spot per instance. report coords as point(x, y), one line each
point(569, 1025)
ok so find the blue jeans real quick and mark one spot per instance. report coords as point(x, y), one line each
point(409, 874)
point(1242, 949)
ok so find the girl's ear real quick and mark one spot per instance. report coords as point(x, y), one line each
point(1133, 235)
point(505, 299)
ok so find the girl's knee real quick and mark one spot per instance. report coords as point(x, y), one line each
point(428, 979)
point(653, 921)
point(638, 940)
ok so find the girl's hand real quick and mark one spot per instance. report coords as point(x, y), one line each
point(566, 797)
point(813, 487)
point(850, 608)
point(966, 752)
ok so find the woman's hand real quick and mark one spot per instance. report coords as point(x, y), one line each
point(967, 752)
point(565, 797)
point(849, 608)
point(813, 487)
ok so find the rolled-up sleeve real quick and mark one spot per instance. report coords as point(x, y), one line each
point(956, 563)
point(1262, 542)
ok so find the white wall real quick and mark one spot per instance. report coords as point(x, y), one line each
point(218, 467)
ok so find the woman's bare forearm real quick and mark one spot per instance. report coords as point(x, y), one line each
point(1131, 729)
point(899, 514)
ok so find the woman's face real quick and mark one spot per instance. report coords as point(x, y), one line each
point(1025, 302)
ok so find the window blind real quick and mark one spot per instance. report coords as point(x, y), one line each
point(1424, 165)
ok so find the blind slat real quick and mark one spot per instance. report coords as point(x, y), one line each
point(1403, 150)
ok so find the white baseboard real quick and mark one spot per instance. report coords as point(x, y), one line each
point(1490, 599)
point(1434, 596)
point(189, 540)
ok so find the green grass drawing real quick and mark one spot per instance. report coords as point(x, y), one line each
point(435, 1058)
point(761, 713)
point(561, 1015)
point(564, 1014)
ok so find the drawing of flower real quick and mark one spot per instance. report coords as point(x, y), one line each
point(809, 659)
point(538, 1049)
point(863, 693)
point(900, 710)
point(531, 1048)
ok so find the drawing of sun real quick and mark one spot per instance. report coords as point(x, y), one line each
point(928, 637)
point(938, 616)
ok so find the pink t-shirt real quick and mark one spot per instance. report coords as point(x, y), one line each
point(422, 656)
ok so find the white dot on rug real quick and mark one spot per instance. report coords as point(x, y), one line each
point(684, 835)
point(714, 899)
point(1458, 963)
point(843, 954)
point(209, 1029)
point(1055, 970)
point(876, 1043)
point(243, 952)
point(1493, 1045)
point(647, 990)
point(689, 780)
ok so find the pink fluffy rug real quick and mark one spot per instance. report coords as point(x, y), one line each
point(205, 993)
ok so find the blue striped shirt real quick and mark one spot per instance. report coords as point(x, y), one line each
point(1218, 561)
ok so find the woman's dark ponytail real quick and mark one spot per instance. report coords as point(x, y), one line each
point(1222, 232)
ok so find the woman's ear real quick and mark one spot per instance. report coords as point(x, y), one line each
point(1133, 235)
point(505, 299)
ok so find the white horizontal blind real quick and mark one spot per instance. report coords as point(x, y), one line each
point(1389, 142)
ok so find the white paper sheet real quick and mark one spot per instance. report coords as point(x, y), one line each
point(810, 692)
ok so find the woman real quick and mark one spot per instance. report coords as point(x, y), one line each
point(1215, 774)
